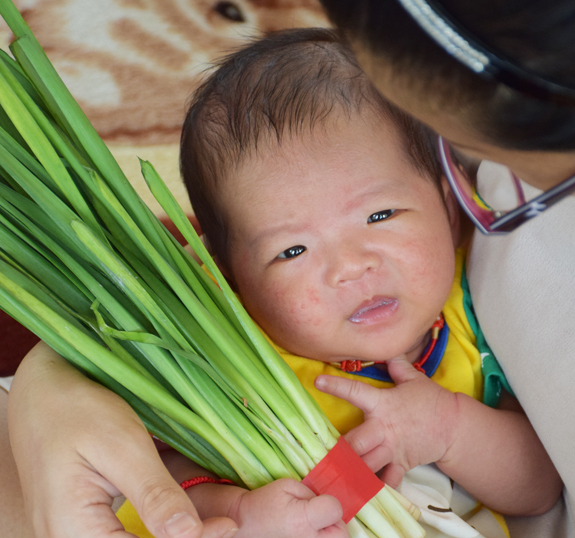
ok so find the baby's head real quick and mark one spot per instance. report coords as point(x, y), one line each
point(323, 204)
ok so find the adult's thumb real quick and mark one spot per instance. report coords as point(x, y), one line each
point(162, 505)
point(164, 508)
point(167, 512)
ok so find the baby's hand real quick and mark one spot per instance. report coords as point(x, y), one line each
point(410, 424)
point(288, 509)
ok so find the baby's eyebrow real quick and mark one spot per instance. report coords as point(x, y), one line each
point(359, 198)
point(380, 188)
point(277, 229)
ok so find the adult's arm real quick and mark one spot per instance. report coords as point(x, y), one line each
point(77, 446)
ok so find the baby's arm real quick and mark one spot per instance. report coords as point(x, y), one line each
point(77, 445)
point(283, 509)
point(493, 453)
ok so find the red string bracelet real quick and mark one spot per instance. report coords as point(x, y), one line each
point(204, 480)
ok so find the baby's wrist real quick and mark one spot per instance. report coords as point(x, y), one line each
point(214, 497)
point(448, 424)
point(455, 417)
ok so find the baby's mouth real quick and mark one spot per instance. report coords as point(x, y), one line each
point(375, 310)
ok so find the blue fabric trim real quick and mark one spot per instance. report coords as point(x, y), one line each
point(430, 366)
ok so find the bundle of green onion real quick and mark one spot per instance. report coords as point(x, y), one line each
point(87, 267)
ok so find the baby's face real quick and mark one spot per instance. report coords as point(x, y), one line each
point(339, 248)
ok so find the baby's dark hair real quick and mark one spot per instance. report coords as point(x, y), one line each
point(285, 84)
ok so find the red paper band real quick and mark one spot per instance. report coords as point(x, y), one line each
point(343, 474)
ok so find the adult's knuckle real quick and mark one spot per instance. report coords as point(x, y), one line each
point(156, 495)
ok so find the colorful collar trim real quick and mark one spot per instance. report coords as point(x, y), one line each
point(429, 367)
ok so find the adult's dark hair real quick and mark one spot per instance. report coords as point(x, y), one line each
point(536, 35)
point(286, 84)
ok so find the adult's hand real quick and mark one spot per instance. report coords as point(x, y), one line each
point(77, 446)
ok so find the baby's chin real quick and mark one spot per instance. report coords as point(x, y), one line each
point(411, 353)
point(379, 359)
point(377, 352)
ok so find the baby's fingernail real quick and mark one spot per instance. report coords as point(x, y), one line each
point(181, 526)
point(320, 383)
point(230, 533)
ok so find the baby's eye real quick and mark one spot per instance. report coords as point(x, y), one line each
point(381, 215)
point(292, 252)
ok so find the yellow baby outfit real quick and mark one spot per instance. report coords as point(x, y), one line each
point(463, 363)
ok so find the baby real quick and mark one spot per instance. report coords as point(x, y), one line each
point(326, 209)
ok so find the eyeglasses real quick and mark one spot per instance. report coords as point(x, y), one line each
point(462, 175)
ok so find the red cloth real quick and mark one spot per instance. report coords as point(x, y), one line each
point(16, 340)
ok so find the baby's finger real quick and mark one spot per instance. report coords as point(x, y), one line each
point(217, 527)
point(356, 393)
point(323, 511)
point(401, 370)
point(365, 437)
point(392, 475)
point(378, 458)
point(339, 530)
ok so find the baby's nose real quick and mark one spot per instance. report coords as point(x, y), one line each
point(351, 263)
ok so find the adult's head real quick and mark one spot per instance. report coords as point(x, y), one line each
point(531, 132)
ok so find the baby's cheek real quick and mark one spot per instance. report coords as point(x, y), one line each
point(317, 316)
point(312, 295)
point(298, 310)
point(427, 264)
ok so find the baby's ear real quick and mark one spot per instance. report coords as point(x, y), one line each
point(453, 212)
